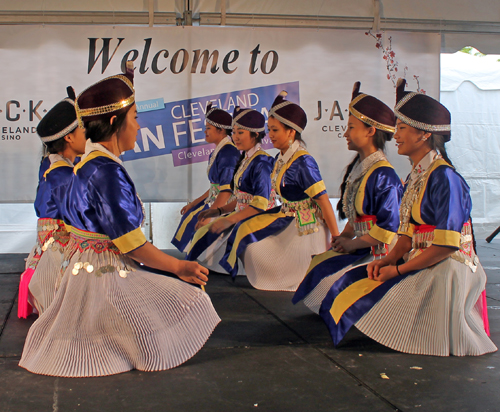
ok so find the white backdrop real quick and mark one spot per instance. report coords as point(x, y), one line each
point(470, 89)
point(319, 66)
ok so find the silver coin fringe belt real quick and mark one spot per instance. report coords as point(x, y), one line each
point(306, 212)
point(213, 192)
point(82, 241)
point(423, 237)
point(51, 234)
point(244, 199)
point(362, 226)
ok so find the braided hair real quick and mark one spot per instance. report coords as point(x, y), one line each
point(379, 139)
point(436, 142)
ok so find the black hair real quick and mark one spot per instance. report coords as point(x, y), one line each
point(298, 136)
point(228, 131)
point(101, 130)
point(236, 169)
point(379, 139)
point(343, 185)
point(258, 138)
point(55, 146)
point(44, 155)
point(436, 142)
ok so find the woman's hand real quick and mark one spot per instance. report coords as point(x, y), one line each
point(186, 208)
point(220, 225)
point(342, 244)
point(192, 272)
point(209, 213)
point(374, 267)
point(386, 273)
point(201, 223)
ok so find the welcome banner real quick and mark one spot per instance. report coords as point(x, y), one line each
point(179, 69)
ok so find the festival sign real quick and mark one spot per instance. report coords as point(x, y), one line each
point(179, 69)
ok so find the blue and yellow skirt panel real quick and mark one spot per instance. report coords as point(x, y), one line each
point(186, 230)
point(350, 297)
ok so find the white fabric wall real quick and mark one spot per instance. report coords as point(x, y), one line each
point(17, 227)
point(470, 89)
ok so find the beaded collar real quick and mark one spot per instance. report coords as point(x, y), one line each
point(420, 168)
point(360, 168)
point(249, 155)
point(354, 181)
point(214, 154)
point(414, 184)
point(283, 159)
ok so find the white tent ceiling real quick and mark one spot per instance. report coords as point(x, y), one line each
point(460, 22)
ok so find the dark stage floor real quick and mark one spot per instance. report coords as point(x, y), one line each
point(265, 355)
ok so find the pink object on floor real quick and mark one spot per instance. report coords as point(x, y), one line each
point(24, 309)
point(485, 313)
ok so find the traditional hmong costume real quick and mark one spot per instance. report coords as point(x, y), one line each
point(433, 311)
point(109, 315)
point(37, 286)
point(220, 171)
point(370, 203)
point(276, 247)
point(252, 187)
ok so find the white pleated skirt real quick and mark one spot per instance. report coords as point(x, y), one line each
point(437, 312)
point(42, 286)
point(212, 255)
point(101, 324)
point(279, 262)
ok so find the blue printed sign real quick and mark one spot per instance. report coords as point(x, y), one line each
point(149, 105)
point(177, 128)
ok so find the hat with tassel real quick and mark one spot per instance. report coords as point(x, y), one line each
point(422, 112)
point(288, 113)
point(60, 120)
point(372, 111)
point(106, 98)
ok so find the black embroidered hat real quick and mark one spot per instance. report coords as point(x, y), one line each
point(218, 117)
point(60, 120)
point(372, 111)
point(288, 113)
point(106, 98)
point(422, 112)
point(248, 119)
